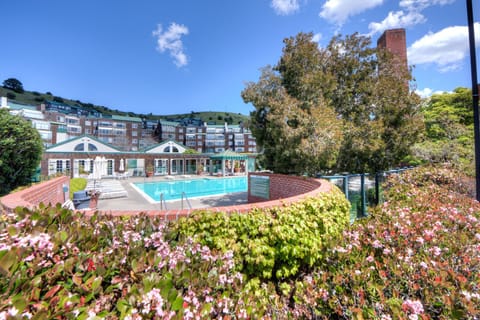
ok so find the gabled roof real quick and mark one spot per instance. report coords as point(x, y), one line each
point(88, 141)
point(160, 148)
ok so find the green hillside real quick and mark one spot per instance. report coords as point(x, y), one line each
point(36, 98)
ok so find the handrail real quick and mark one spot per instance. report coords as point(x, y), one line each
point(163, 203)
point(186, 198)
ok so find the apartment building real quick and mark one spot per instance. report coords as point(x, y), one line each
point(58, 122)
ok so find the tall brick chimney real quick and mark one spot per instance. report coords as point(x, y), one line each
point(395, 41)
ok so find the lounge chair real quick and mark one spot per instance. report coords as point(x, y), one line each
point(81, 199)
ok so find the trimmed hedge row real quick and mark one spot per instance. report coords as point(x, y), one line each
point(274, 243)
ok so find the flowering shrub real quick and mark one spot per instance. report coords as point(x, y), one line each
point(55, 263)
point(416, 257)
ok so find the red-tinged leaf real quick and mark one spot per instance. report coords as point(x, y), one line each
point(54, 301)
point(52, 292)
point(77, 280)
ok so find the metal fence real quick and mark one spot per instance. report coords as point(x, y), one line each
point(362, 190)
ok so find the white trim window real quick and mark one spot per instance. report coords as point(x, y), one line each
point(58, 166)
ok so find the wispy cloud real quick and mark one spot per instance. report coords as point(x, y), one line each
point(446, 49)
point(398, 19)
point(422, 4)
point(285, 7)
point(409, 15)
point(338, 11)
point(170, 40)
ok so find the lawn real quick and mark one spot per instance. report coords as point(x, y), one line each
point(77, 184)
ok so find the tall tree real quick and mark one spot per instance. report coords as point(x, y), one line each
point(294, 139)
point(356, 93)
point(14, 84)
point(20, 151)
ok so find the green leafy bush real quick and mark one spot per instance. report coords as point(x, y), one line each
point(273, 243)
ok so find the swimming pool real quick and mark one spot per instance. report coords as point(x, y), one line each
point(172, 190)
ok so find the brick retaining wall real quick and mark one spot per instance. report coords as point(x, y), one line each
point(48, 192)
point(285, 186)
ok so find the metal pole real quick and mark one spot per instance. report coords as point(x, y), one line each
point(363, 197)
point(476, 123)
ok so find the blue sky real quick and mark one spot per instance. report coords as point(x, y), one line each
point(178, 56)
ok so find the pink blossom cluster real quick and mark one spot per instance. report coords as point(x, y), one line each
point(413, 307)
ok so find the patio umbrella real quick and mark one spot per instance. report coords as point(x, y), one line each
point(97, 170)
point(122, 166)
point(104, 166)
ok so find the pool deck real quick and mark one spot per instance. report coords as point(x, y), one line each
point(136, 201)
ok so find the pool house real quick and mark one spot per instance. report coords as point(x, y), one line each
point(76, 157)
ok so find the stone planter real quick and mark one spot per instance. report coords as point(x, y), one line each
point(94, 200)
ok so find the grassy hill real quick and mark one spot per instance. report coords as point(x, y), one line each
point(36, 98)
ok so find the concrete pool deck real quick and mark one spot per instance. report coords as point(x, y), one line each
point(136, 201)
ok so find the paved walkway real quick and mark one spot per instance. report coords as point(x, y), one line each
point(135, 201)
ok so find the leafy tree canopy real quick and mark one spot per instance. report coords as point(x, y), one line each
point(20, 151)
point(449, 130)
point(14, 84)
point(345, 107)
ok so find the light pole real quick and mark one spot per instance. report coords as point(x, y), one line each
point(476, 124)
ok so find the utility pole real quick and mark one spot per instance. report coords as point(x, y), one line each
point(476, 123)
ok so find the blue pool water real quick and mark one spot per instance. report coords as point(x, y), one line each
point(172, 190)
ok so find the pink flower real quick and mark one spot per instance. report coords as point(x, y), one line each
point(323, 294)
point(222, 279)
point(428, 234)
point(377, 244)
point(412, 306)
point(436, 251)
point(242, 314)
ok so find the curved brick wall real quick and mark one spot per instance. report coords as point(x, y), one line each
point(48, 192)
point(284, 189)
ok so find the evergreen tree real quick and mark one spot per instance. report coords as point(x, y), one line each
point(20, 151)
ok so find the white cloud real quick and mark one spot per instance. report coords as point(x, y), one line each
point(285, 7)
point(447, 48)
point(317, 37)
point(338, 11)
point(403, 19)
point(424, 93)
point(427, 92)
point(397, 19)
point(170, 40)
